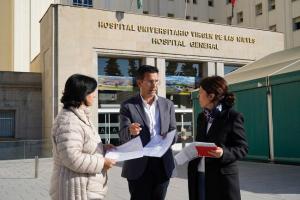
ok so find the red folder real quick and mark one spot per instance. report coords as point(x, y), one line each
point(203, 150)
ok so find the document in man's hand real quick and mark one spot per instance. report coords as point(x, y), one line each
point(130, 150)
point(158, 145)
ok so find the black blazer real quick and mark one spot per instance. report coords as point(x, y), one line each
point(221, 175)
point(131, 111)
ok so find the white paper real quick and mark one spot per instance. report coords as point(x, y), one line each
point(204, 144)
point(190, 152)
point(130, 150)
point(186, 154)
point(158, 145)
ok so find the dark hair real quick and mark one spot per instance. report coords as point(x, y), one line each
point(145, 69)
point(218, 86)
point(77, 87)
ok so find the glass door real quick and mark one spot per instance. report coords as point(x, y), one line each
point(182, 77)
point(108, 125)
point(116, 83)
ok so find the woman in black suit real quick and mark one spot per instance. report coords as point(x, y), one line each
point(221, 124)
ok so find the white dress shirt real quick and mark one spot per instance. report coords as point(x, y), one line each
point(153, 116)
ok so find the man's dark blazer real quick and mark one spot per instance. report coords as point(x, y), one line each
point(132, 111)
point(221, 175)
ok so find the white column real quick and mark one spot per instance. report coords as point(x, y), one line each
point(149, 61)
point(209, 69)
point(220, 69)
point(161, 65)
point(21, 36)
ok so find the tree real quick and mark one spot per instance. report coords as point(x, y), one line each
point(132, 67)
point(188, 70)
point(171, 68)
point(112, 68)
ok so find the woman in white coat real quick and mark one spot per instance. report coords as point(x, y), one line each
point(79, 166)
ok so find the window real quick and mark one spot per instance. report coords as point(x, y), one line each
point(211, 20)
point(187, 17)
point(258, 9)
point(145, 12)
point(194, 1)
point(272, 5)
point(170, 15)
point(83, 3)
point(211, 3)
point(181, 78)
point(7, 123)
point(229, 68)
point(272, 28)
point(240, 18)
point(296, 23)
point(195, 18)
point(116, 79)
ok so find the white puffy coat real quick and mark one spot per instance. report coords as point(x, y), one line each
point(78, 158)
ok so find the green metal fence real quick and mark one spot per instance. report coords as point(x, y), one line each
point(253, 105)
point(284, 116)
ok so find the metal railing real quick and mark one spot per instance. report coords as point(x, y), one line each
point(25, 149)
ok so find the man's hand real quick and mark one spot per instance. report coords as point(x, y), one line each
point(108, 163)
point(135, 128)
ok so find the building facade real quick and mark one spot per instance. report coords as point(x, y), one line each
point(20, 37)
point(96, 42)
point(20, 106)
point(109, 40)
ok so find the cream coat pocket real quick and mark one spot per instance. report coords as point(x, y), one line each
point(97, 186)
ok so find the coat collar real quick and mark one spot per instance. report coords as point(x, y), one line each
point(83, 113)
point(218, 121)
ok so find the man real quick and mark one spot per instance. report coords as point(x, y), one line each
point(148, 116)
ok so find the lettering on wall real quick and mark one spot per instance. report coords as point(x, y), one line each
point(179, 38)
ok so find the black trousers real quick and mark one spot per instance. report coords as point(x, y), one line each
point(152, 185)
point(196, 181)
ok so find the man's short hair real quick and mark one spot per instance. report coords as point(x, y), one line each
point(145, 69)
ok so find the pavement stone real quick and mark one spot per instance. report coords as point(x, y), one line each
point(259, 181)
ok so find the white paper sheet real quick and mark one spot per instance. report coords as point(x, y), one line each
point(130, 150)
point(186, 154)
point(190, 152)
point(158, 145)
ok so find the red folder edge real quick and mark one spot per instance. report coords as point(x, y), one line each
point(203, 151)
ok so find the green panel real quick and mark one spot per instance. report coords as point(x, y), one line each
point(286, 121)
point(196, 109)
point(194, 94)
point(285, 78)
point(253, 104)
point(257, 83)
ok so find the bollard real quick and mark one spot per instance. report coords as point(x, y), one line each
point(24, 149)
point(36, 167)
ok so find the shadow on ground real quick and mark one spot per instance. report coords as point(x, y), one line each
point(263, 177)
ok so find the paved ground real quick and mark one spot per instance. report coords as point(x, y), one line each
point(259, 181)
